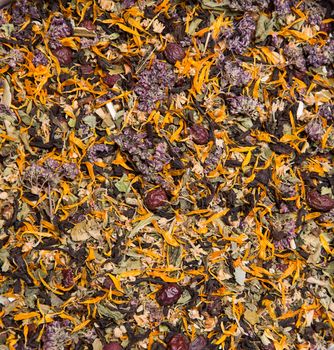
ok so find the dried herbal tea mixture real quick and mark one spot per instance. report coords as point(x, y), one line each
point(166, 175)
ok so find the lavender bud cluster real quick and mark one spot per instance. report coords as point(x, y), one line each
point(285, 226)
point(56, 336)
point(153, 84)
point(49, 173)
point(149, 158)
point(315, 130)
point(317, 56)
point(243, 105)
point(248, 5)
point(282, 7)
point(327, 111)
point(23, 8)
point(39, 58)
point(59, 29)
point(97, 151)
point(295, 56)
point(234, 74)
point(239, 38)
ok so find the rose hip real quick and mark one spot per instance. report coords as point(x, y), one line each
point(155, 199)
point(178, 342)
point(174, 52)
point(88, 24)
point(169, 294)
point(199, 134)
point(319, 202)
point(64, 56)
point(113, 346)
point(111, 80)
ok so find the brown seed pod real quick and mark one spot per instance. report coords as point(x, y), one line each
point(319, 202)
point(155, 199)
point(64, 56)
point(199, 134)
point(174, 52)
point(169, 294)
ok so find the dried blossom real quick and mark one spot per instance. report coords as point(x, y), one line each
point(239, 38)
point(317, 56)
point(88, 43)
point(315, 130)
point(69, 170)
point(327, 111)
point(283, 231)
point(56, 336)
point(282, 7)
point(178, 342)
point(153, 84)
point(244, 105)
point(295, 56)
point(39, 58)
point(147, 157)
point(233, 74)
point(37, 175)
point(213, 159)
point(59, 28)
point(248, 5)
point(97, 151)
point(23, 8)
point(12, 58)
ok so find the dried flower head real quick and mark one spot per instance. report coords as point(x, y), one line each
point(153, 84)
point(59, 28)
point(56, 335)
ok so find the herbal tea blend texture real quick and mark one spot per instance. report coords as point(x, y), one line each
point(166, 175)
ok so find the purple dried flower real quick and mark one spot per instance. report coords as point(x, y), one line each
point(56, 336)
point(213, 159)
point(283, 231)
point(38, 175)
point(13, 57)
point(59, 28)
point(69, 170)
point(244, 105)
point(147, 157)
point(315, 130)
point(97, 151)
point(248, 5)
point(88, 43)
point(21, 9)
point(317, 56)
point(295, 56)
point(234, 74)
point(327, 111)
point(39, 58)
point(239, 38)
point(51, 164)
point(68, 278)
point(152, 85)
point(282, 7)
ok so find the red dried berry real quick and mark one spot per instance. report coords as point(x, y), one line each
point(111, 80)
point(174, 52)
point(199, 134)
point(113, 346)
point(319, 202)
point(88, 24)
point(198, 344)
point(86, 70)
point(155, 199)
point(168, 294)
point(178, 342)
point(64, 56)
